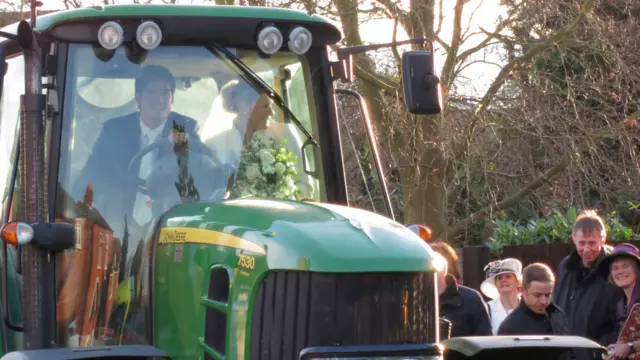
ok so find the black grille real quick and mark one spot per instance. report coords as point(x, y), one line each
point(294, 310)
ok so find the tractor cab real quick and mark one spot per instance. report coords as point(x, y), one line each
point(174, 186)
point(173, 178)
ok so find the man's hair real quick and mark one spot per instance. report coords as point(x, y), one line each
point(589, 222)
point(537, 272)
point(154, 73)
point(449, 255)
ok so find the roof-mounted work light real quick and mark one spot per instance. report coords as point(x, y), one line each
point(110, 35)
point(269, 40)
point(149, 35)
point(300, 40)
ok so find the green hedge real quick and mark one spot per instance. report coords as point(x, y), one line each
point(554, 229)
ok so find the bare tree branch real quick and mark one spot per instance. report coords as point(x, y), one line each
point(460, 226)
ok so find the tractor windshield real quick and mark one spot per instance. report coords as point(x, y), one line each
point(145, 131)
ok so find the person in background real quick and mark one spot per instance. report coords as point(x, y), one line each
point(502, 284)
point(536, 314)
point(587, 298)
point(460, 305)
point(622, 268)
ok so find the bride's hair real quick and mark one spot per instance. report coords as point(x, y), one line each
point(238, 92)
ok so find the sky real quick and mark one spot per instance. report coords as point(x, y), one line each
point(485, 14)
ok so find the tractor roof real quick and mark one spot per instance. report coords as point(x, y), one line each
point(48, 21)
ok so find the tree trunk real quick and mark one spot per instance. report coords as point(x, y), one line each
point(424, 183)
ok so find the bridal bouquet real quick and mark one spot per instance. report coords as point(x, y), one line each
point(267, 169)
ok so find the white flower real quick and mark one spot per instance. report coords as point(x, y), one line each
point(305, 189)
point(253, 171)
point(266, 157)
point(268, 169)
point(280, 168)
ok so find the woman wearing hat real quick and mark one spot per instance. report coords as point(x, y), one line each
point(622, 268)
point(502, 284)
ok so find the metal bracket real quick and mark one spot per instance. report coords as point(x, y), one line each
point(345, 61)
point(30, 102)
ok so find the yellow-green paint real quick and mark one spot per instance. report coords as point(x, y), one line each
point(186, 235)
point(292, 235)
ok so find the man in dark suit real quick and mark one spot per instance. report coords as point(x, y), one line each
point(114, 175)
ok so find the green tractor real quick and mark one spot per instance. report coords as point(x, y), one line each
point(174, 186)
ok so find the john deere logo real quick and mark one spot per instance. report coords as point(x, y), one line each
point(173, 237)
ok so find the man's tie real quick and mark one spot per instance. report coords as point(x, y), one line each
point(142, 206)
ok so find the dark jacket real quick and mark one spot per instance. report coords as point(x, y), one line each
point(465, 309)
point(587, 298)
point(118, 143)
point(523, 321)
point(621, 313)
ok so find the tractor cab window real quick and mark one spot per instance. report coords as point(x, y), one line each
point(9, 123)
point(146, 131)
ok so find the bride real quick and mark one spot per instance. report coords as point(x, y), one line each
point(251, 125)
point(252, 110)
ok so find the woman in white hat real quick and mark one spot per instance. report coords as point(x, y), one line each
point(502, 284)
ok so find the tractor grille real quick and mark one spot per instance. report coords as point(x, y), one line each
point(295, 310)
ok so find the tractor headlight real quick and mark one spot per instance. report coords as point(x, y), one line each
point(269, 40)
point(300, 40)
point(149, 35)
point(110, 35)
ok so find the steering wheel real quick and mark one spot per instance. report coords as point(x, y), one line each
point(161, 182)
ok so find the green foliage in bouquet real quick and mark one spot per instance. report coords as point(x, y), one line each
point(267, 169)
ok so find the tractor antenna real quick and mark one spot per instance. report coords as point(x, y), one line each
point(34, 12)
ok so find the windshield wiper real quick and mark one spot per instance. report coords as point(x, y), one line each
point(264, 86)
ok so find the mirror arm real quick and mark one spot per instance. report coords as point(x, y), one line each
point(35, 4)
point(9, 36)
point(345, 54)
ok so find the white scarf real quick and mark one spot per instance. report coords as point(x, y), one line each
point(498, 313)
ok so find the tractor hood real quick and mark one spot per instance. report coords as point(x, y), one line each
point(475, 347)
point(523, 347)
point(309, 236)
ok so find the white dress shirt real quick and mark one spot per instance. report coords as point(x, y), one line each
point(142, 206)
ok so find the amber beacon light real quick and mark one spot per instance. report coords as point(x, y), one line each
point(420, 230)
point(17, 233)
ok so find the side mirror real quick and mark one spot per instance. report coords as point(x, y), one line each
point(421, 85)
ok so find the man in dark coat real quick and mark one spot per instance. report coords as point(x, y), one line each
point(460, 305)
point(536, 313)
point(121, 139)
point(587, 298)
